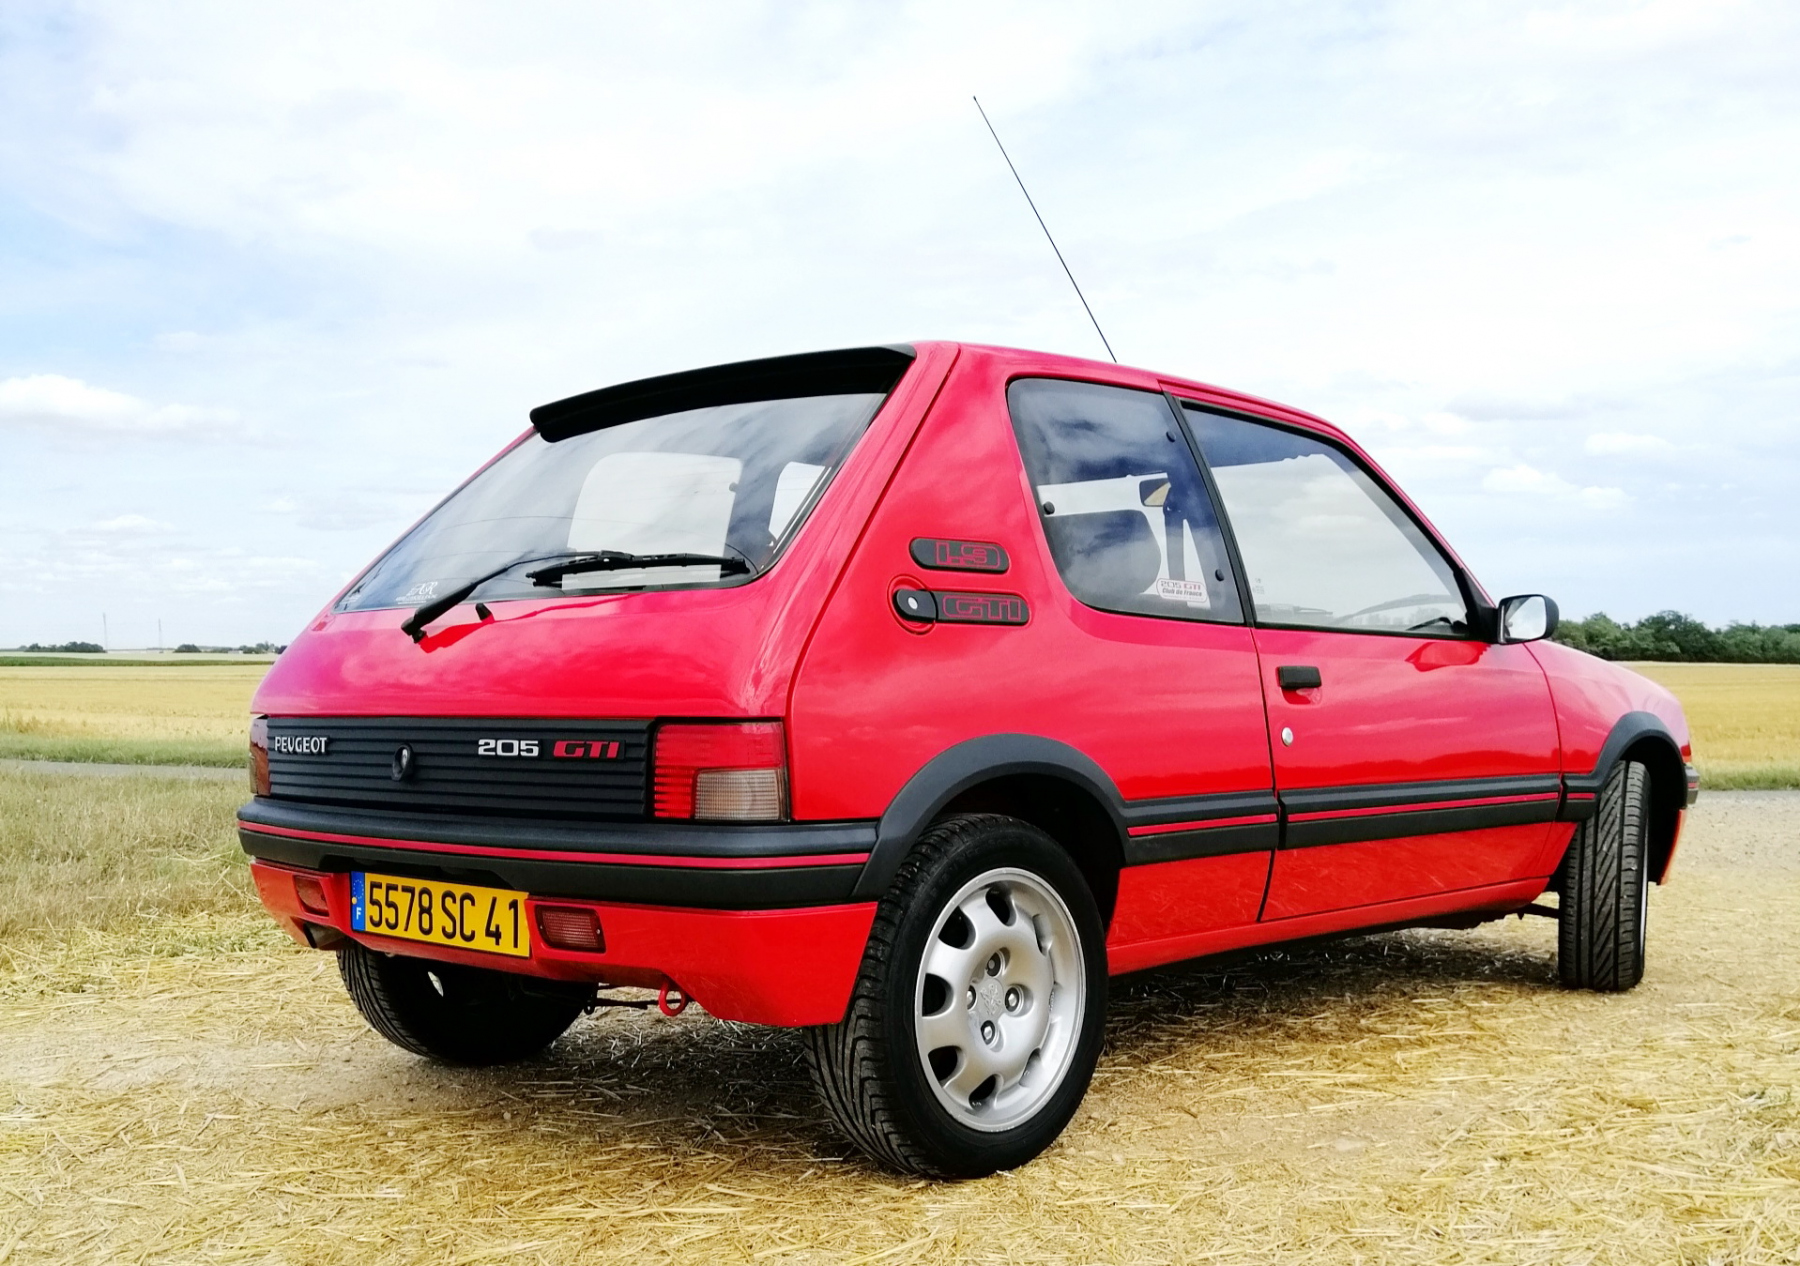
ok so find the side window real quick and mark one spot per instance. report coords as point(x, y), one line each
point(1122, 502)
point(1323, 545)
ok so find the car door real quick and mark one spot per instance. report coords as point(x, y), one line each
point(1135, 538)
point(1412, 757)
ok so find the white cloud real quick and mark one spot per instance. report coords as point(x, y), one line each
point(1486, 237)
point(135, 524)
point(1625, 444)
point(1530, 481)
point(68, 403)
point(1437, 461)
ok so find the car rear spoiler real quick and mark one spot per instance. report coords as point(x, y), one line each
point(850, 371)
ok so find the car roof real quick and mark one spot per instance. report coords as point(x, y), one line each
point(1021, 362)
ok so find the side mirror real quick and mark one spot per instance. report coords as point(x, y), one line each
point(1529, 617)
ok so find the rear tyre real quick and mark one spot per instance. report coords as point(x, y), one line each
point(976, 1019)
point(456, 1014)
point(1606, 888)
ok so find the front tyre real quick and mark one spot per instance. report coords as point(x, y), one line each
point(977, 1016)
point(1606, 888)
point(457, 1014)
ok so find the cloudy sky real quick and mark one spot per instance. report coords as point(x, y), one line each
point(270, 284)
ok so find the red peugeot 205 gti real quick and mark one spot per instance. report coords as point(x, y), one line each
point(906, 694)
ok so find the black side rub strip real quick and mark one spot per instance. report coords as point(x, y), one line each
point(1233, 804)
point(1214, 827)
point(1216, 841)
point(1400, 794)
point(1349, 815)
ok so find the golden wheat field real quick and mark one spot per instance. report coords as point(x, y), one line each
point(1746, 717)
point(181, 1084)
point(159, 715)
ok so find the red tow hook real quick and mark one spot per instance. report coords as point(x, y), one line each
point(671, 1008)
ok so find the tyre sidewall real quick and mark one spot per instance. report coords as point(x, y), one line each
point(487, 1017)
point(953, 1148)
point(1604, 882)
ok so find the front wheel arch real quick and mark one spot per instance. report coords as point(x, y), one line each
point(1668, 797)
point(1644, 737)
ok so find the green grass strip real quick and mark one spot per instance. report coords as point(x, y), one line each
point(214, 752)
point(1750, 778)
point(102, 661)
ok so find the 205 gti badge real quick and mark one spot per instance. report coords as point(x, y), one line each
point(565, 749)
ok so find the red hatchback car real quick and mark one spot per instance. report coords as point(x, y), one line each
point(907, 694)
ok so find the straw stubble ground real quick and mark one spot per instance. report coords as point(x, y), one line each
point(188, 1089)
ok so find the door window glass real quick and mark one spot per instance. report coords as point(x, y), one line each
point(1122, 501)
point(1323, 545)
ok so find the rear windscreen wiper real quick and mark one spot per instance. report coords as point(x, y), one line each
point(415, 624)
point(604, 560)
point(619, 560)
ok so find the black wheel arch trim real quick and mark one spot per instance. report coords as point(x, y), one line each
point(1580, 790)
point(967, 765)
point(1673, 784)
point(976, 761)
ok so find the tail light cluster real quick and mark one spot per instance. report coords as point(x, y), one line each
point(259, 756)
point(721, 772)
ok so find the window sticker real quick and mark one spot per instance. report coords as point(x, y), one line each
point(1192, 592)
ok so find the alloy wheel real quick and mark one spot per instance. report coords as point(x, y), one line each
point(999, 999)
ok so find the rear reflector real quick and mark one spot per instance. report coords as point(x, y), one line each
point(259, 756)
point(571, 928)
point(726, 772)
point(311, 893)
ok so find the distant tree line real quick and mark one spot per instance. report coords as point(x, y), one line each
point(1670, 635)
point(261, 648)
point(186, 648)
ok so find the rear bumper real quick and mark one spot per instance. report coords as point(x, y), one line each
point(704, 866)
point(753, 923)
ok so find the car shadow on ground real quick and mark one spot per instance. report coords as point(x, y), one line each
point(700, 1086)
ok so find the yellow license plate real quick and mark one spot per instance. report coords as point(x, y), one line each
point(492, 920)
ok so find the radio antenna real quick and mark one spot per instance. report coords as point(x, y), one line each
point(1046, 228)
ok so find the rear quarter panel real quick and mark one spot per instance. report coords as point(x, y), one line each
point(1166, 708)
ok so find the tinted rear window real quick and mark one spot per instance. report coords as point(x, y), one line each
point(732, 480)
